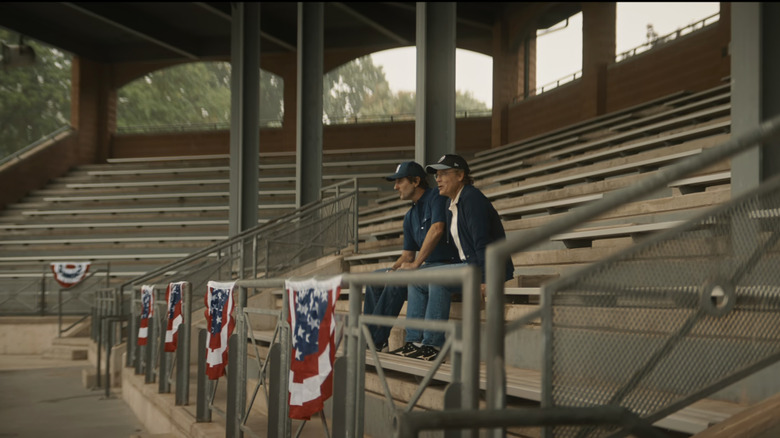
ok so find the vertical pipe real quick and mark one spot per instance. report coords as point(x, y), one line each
point(202, 411)
point(59, 312)
point(254, 256)
point(237, 372)
point(352, 353)
point(43, 292)
point(547, 401)
point(148, 353)
point(163, 370)
point(232, 414)
point(285, 424)
point(110, 331)
point(183, 349)
point(471, 347)
point(495, 266)
point(355, 214)
point(99, 336)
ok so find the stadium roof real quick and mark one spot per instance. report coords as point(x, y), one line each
point(159, 31)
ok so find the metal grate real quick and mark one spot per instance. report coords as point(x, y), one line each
point(672, 319)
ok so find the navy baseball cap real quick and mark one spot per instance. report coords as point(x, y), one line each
point(449, 161)
point(407, 168)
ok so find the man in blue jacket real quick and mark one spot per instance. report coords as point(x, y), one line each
point(423, 247)
point(472, 221)
point(472, 224)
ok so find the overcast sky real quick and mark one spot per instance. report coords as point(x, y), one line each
point(559, 53)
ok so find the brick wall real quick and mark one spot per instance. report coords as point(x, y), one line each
point(694, 62)
point(472, 134)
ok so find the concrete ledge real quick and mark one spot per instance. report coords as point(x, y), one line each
point(159, 414)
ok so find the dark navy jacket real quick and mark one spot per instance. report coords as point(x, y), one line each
point(478, 226)
point(429, 209)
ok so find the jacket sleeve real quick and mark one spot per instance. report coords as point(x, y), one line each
point(477, 215)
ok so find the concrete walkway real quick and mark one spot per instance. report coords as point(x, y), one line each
point(42, 398)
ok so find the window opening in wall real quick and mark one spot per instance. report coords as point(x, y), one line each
point(381, 87)
point(643, 26)
point(35, 87)
point(558, 54)
point(194, 96)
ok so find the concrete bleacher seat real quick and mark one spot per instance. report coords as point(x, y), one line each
point(573, 130)
point(556, 206)
point(545, 183)
point(706, 135)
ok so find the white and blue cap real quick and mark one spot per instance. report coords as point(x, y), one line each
point(406, 169)
point(449, 161)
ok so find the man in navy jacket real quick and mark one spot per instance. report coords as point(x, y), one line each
point(424, 247)
point(472, 220)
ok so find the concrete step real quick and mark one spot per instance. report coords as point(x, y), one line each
point(68, 349)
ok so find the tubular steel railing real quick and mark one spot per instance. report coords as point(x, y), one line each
point(48, 137)
point(31, 295)
point(322, 227)
point(318, 229)
point(561, 411)
point(461, 346)
point(152, 360)
point(497, 254)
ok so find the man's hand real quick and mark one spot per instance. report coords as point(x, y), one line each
point(406, 266)
point(483, 292)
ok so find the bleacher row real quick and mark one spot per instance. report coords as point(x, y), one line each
point(139, 214)
point(145, 212)
point(532, 181)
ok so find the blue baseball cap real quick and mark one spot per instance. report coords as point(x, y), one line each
point(405, 169)
point(449, 161)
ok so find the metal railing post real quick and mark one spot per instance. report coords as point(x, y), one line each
point(109, 341)
point(149, 352)
point(470, 341)
point(99, 342)
point(183, 349)
point(43, 292)
point(351, 348)
point(236, 396)
point(163, 369)
point(59, 313)
point(202, 411)
point(355, 215)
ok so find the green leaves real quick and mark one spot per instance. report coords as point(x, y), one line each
point(34, 100)
point(191, 94)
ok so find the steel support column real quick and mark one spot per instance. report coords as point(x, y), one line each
point(435, 113)
point(755, 95)
point(308, 169)
point(245, 116)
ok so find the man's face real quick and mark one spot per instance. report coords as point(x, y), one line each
point(404, 188)
point(449, 181)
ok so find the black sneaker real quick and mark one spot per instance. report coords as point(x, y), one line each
point(426, 352)
point(407, 350)
point(383, 347)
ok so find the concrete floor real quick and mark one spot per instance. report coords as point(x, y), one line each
point(41, 398)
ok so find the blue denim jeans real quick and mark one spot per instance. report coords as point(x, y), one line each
point(383, 301)
point(429, 302)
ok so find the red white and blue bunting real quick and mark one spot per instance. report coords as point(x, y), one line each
point(69, 274)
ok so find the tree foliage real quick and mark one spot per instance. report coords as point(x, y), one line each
point(35, 99)
point(359, 89)
point(187, 94)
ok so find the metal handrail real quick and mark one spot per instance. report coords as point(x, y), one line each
point(666, 38)
point(333, 119)
point(499, 252)
point(286, 218)
point(265, 232)
point(35, 144)
point(465, 355)
point(626, 54)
